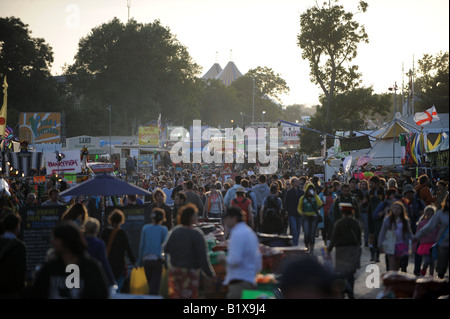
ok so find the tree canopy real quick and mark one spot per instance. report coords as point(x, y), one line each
point(432, 84)
point(139, 69)
point(26, 62)
point(329, 38)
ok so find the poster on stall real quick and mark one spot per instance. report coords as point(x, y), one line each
point(149, 136)
point(36, 228)
point(70, 162)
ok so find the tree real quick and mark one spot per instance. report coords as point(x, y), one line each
point(329, 37)
point(268, 83)
point(140, 69)
point(219, 104)
point(432, 84)
point(267, 86)
point(26, 62)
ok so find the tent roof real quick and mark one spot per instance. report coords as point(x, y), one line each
point(389, 131)
point(213, 72)
point(229, 74)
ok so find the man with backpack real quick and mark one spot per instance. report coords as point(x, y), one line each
point(271, 220)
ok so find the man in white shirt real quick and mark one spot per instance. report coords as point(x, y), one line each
point(244, 259)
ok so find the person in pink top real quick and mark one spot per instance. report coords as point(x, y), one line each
point(427, 241)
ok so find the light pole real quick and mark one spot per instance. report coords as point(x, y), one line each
point(242, 114)
point(263, 112)
point(253, 103)
point(110, 144)
point(394, 88)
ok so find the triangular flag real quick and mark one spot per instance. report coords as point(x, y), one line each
point(424, 118)
point(433, 141)
point(4, 108)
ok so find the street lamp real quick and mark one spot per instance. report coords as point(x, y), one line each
point(253, 114)
point(242, 114)
point(394, 88)
point(110, 144)
point(263, 112)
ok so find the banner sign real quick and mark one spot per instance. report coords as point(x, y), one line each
point(149, 136)
point(36, 228)
point(40, 127)
point(354, 143)
point(70, 162)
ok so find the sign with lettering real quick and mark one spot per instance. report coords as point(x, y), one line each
point(354, 143)
point(148, 135)
point(70, 162)
point(37, 225)
point(40, 127)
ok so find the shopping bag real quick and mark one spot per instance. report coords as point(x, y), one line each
point(389, 242)
point(138, 281)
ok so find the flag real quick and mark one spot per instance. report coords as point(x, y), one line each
point(408, 153)
point(4, 108)
point(424, 118)
point(433, 141)
point(159, 122)
point(418, 148)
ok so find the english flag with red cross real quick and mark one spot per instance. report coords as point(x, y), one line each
point(424, 118)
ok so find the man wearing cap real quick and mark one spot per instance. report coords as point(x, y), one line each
point(244, 259)
point(245, 204)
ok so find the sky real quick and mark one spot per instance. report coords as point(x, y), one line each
point(257, 32)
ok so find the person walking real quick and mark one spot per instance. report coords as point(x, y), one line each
point(415, 208)
point(117, 243)
point(245, 204)
point(308, 206)
point(295, 220)
point(97, 248)
point(346, 237)
point(344, 197)
point(396, 222)
point(376, 196)
point(70, 248)
point(13, 258)
point(159, 201)
point(214, 207)
point(261, 190)
point(187, 249)
point(231, 193)
point(192, 196)
point(423, 247)
point(327, 197)
point(440, 219)
point(150, 255)
point(423, 190)
point(364, 187)
point(271, 221)
point(244, 259)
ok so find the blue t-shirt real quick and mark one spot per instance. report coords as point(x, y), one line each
point(152, 238)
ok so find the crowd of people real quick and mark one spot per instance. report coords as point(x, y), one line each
point(385, 214)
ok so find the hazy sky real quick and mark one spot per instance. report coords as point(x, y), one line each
point(260, 33)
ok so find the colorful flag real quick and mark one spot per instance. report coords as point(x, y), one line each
point(4, 108)
point(424, 118)
point(418, 148)
point(408, 154)
point(433, 140)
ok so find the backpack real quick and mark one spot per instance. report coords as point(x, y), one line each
point(272, 221)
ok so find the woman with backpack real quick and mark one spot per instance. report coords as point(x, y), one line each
point(308, 207)
point(245, 204)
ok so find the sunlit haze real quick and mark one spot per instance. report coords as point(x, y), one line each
point(259, 33)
